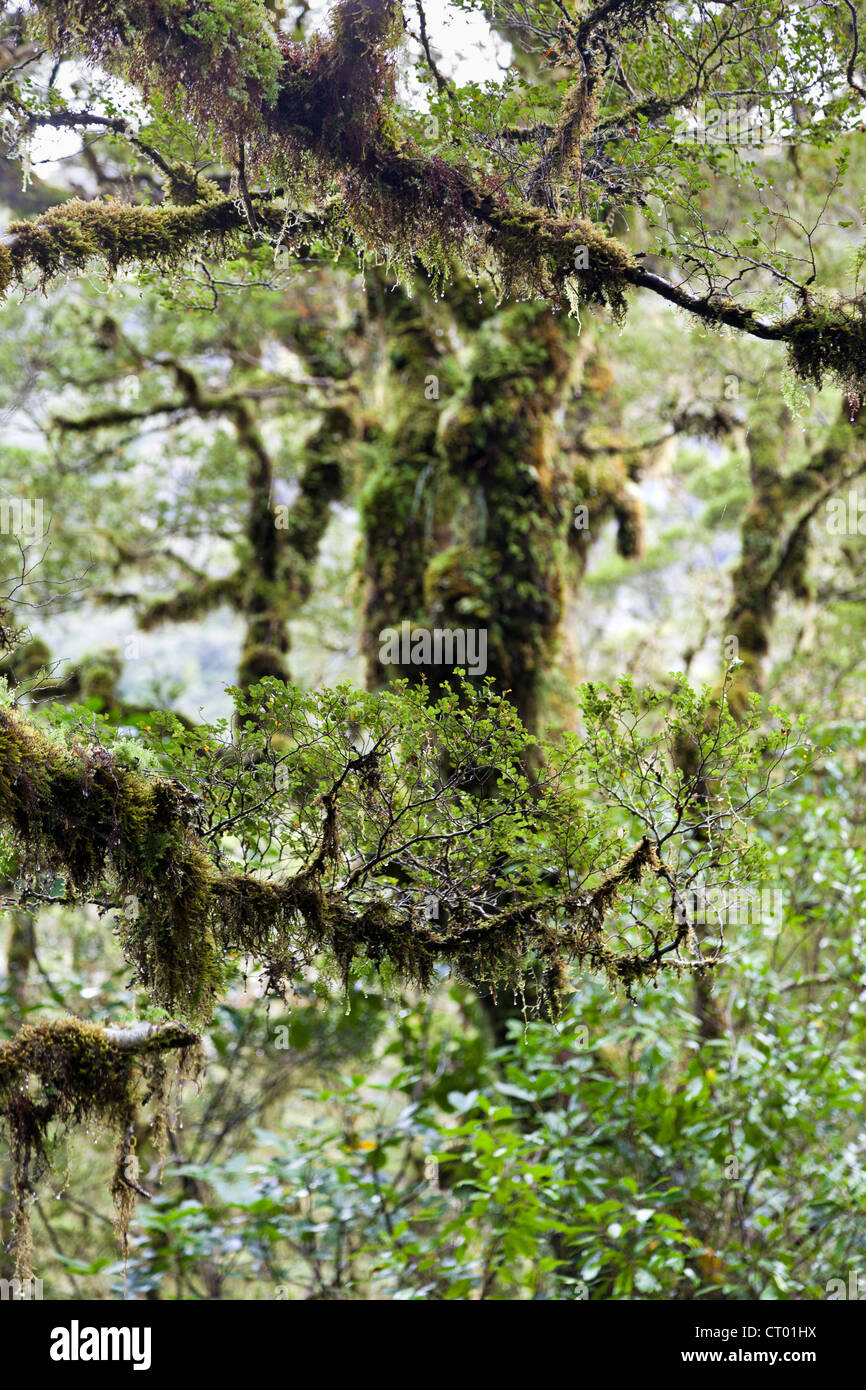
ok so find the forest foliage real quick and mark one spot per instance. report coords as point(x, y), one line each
point(541, 981)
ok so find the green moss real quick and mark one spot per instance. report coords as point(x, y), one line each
point(7, 271)
point(79, 810)
point(187, 187)
point(76, 809)
point(71, 236)
point(831, 342)
point(99, 675)
point(68, 1072)
point(630, 516)
point(602, 484)
point(260, 661)
point(458, 580)
point(81, 1070)
point(499, 437)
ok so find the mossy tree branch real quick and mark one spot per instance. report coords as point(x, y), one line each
point(115, 832)
point(67, 1071)
point(327, 99)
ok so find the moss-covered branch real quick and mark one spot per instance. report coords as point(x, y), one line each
point(191, 601)
point(224, 63)
point(67, 1072)
point(112, 829)
point(80, 810)
point(151, 1037)
point(70, 237)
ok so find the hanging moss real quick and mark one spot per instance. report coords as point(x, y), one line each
point(68, 1072)
point(326, 98)
point(830, 342)
point(78, 809)
point(289, 925)
point(562, 153)
point(629, 869)
point(318, 114)
point(215, 60)
point(601, 277)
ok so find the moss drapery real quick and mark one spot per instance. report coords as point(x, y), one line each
point(322, 106)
